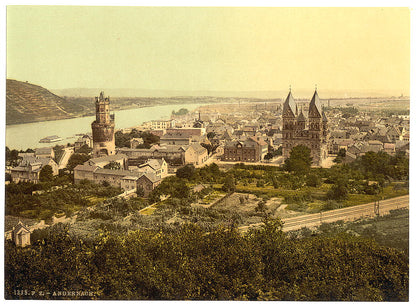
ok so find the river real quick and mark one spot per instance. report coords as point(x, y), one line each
point(23, 136)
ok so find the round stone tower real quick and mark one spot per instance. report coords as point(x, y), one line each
point(103, 128)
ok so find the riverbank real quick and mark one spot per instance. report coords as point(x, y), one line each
point(27, 135)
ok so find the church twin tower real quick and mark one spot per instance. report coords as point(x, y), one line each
point(295, 133)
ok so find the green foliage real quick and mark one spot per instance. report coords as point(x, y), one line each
point(21, 202)
point(313, 180)
point(268, 156)
point(261, 207)
point(338, 191)
point(211, 135)
point(46, 174)
point(12, 157)
point(186, 172)
point(229, 184)
point(113, 165)
point(274, 153)
point(123, 140)
point(140, 191)
point(340, 156)
point(84, 149)
point(180, 112)
point(173, 186)
point(76, 159)
point(300, 160)
point(187, 263)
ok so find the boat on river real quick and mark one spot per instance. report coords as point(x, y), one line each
point(50, 139)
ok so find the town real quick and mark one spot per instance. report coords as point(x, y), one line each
point(316, 166)
point(136, 160)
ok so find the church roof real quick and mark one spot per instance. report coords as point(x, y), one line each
point(289, 104)
point(315, 105)
point(301, 117)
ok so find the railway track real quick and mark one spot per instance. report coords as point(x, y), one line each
point(350, 213)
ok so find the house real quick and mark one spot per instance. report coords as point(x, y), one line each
point(175, 138)
point(129, 182)
point(134, 142)
point(47, 152)
point(105, 160)
point(84, 172)
point(174, 155)
point(29, 169)
point(162, 124)
point(262, 145)
point(148, 182)
point(153, 165)
point(196, 154)
point(394, 134)
point(83, 140)
point(20, 235)
point(111, 176)
point(242, 150)
point(389, 148)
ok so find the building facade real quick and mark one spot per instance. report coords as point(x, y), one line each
point(299, 130)
point(103, 128)
point(250, 150)
point(29, 169)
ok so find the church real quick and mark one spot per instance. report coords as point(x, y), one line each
point(299, 130)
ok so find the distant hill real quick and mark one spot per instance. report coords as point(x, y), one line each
point(27, 102)
point(279, 93)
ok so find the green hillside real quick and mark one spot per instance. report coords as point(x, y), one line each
point(27, 102)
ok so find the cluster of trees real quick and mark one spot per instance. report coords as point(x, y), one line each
point(180, 112)
point(123, 140)
point(366, 175)
point(188, 263)
point(12, 156)
point(77, 159)
point(347, 112)
point(21, 200)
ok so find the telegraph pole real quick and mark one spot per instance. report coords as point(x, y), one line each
point(377, 207)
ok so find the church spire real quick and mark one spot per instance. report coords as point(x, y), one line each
point(315, 107)
point(289, 106)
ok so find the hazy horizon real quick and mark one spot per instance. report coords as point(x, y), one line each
point(210, 49)
point(278, 93)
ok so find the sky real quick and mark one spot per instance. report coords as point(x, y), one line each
point(216, 49)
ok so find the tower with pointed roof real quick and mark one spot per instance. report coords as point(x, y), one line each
point(311, 132)
point(103, 128)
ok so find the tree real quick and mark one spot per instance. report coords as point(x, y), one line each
point(229, 184)
point(210, 135)
point(340, 156)
point(209, 147)
point(268, 156)
point(261, 207)
point(149, 138)
point(180, 112)
point(140, 191)
point(186, 172)
point(76, 159)
point(339, 190)
point(84, 149)
point(113, 165)
point(300, 160)
point(46, 174)
point(313, 180)
point(12, 157)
